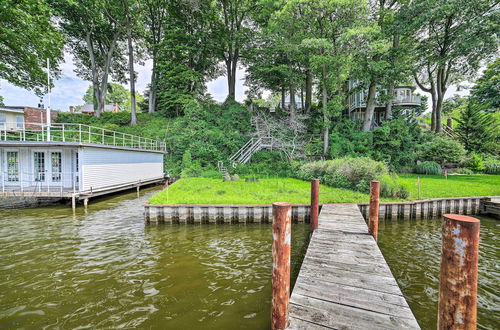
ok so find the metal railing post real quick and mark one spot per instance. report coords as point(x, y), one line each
point(89, 134)
point(63, 138)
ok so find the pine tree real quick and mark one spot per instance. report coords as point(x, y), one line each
point(477, 130)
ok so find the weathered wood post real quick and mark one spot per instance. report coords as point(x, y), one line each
point(314, 203)
point(458, 276)
point(282, 232)
point(374, 208)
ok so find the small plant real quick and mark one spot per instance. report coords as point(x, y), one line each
point(428, 168)
point(476, 163)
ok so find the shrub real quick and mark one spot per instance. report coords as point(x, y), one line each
point(428, 168)
point(492, 166)
point(475, 163)
point(352, 173)
point(442, 150)
point(463, 170)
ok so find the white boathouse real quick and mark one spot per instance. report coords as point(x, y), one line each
point(75, 161)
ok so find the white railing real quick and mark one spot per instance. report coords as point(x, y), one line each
point(21, 181)
point(254, 145)
point(72, 132)
point(412, 99)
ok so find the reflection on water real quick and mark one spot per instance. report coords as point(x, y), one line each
point(413, 251)
point(106, 268)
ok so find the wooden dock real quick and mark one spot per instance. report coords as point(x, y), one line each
point(344, 281)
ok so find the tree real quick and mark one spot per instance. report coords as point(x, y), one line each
point(477, 130)
point(94, 29)
point(1, 100)
point(27, 40)
point(324, 26)
point(486, 91)
point(187, 57)
point(116, 93)
point(155, 13)
point(451, 39)
point(234, 33)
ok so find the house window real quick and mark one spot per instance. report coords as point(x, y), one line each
point(12, 166)
point(3, 118)
point(19, 121)
point(39, 165)
point(56, 160)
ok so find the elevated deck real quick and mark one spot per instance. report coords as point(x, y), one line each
point(344, 281)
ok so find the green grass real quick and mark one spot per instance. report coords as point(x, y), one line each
point(267, 191)
point(435, 186)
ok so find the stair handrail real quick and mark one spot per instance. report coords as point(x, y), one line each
point(236, 155)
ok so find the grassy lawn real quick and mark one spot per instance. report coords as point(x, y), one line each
point(434, 186)
point(267, 191)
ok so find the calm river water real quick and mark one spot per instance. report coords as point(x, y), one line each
point(106, 268)
point(413, 251)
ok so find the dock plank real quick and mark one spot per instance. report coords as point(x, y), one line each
point(344, 281)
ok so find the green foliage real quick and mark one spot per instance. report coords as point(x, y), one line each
point(441, 149)
point(350, 173)
point(492, 166)
point(266, 163)
point(475, 163)
point(463, 171)
point(428, 167)
point(486, 91)
point(390, 187)
point(116, 94)
point(478, 131)
point(1, 100)
point(27, 40)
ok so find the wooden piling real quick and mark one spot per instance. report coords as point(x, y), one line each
point(85, 202)
point(314, 203)
point(374, 208)
point(282, 228)
point(458, 276)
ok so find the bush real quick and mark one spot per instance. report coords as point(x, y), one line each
point(352, 173)
point(463, 170)
point(428, 168)
point(389, 187)
point(492, 166)
point(475, 163)
point(442, 150)
point(266, 163)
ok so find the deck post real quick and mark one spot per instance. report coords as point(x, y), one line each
point(457, 307)
point(314, 203)
point(85, 202)
point(282, 228)
point(374, 208)
point(73, 201)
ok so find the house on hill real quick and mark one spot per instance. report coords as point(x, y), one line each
point(15, 117)
point(404, 96)
point(89, 108)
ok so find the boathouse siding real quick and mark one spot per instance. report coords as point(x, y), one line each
point(109, 167)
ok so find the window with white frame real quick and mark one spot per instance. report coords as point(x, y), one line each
point(39, 165)
point(3, 118)
point(12, 166)
point(56, 161)
point(20, 121)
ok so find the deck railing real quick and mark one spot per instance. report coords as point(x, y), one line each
point(72, 132)
point(24, 182)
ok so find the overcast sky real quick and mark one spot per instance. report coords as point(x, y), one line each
point(69, 89)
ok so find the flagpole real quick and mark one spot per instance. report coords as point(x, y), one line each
point(48, 105)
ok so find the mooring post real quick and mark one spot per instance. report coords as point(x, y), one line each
point(314, 203)
point(85, 202)
point(282, 232)
point(374, 208)
point(458, 276)
point(73, 201)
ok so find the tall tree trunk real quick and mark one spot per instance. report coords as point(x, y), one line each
point(388, 108)
point(292, 103)
point(302, 106)
point(326, 123)
point(152, 88)
point(308, 90)
point(370, 105)
point(231, 66)
point(283, 97)
point(434, 106)
point(133, 111)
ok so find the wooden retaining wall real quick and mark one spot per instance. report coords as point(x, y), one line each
point(427, 208)
point(184, 213)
